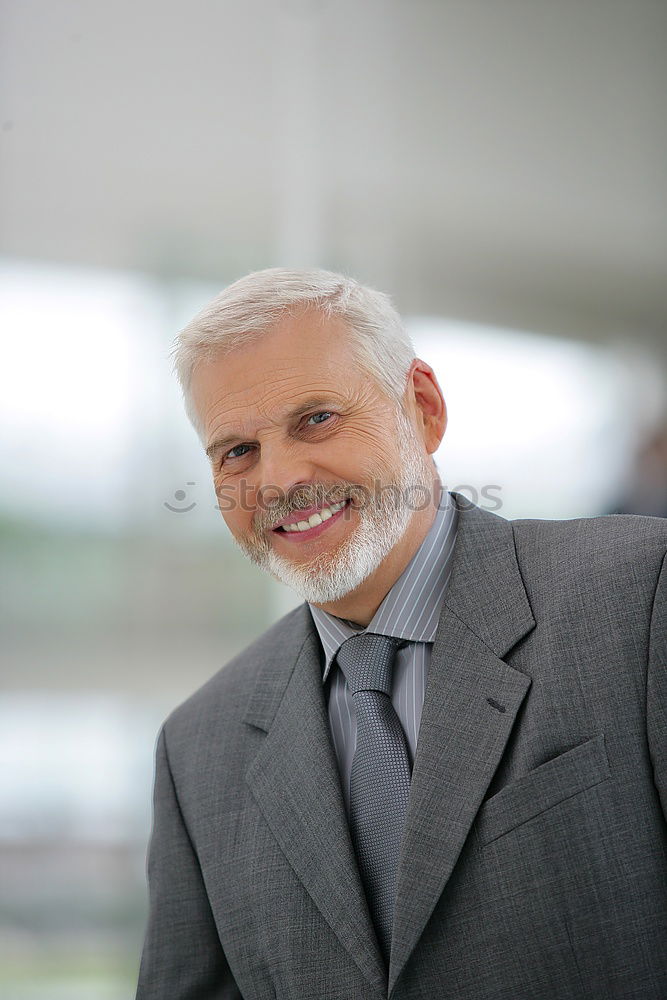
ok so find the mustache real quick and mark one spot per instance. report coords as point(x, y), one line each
point(304, 496)
point(380, 496)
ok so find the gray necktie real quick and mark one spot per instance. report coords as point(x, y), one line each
point(380, 777)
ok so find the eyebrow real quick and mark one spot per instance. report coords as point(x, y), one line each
point(309, 404)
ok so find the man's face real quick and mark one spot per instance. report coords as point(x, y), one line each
point(297, 434)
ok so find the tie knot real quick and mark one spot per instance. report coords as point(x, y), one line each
point(367, 660)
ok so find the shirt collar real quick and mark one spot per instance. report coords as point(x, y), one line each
point(411, 609)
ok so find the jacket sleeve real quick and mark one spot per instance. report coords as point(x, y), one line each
point(656, 688)
point(182, 956)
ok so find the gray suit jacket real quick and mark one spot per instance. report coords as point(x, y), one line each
point(535, 855)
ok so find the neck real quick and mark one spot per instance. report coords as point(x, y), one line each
point(359, 605)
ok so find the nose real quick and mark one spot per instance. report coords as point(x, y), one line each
point(282, 468)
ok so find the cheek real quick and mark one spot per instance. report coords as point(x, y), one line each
point(239, 524)
point(356, 450)
point(368, 459)
point(234, 509)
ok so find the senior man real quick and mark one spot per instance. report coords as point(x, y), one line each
point(444, 775)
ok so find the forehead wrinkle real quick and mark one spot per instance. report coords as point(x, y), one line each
point(320, 366)
point(274, 411)
point(265, 389)
point(225, 402)
point(286, 371)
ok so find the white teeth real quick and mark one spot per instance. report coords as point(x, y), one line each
point(315, 519)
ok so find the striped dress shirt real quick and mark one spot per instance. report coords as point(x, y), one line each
point(410, 610)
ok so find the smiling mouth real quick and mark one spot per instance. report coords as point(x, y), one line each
point(317, 521)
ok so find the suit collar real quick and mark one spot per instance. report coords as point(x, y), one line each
point(275, 670)
point(486, 590)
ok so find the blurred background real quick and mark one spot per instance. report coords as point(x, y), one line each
point(497, 166)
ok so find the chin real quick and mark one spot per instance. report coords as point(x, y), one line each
point(326, 579)
point(321, 592)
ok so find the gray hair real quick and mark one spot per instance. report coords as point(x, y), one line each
point(256, 303)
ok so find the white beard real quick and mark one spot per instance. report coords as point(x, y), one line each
point(382, 524)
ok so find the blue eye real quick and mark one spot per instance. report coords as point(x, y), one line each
point(230, 453)
point(324, 413)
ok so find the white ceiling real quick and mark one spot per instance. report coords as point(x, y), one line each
point(496, 160)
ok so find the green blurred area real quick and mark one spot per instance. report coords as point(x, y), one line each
point(134, 622)
point(120, 612)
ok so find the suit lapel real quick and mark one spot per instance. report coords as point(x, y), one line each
point(470, 706)
point(294, 779)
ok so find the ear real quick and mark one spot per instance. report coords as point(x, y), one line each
point(425, 399)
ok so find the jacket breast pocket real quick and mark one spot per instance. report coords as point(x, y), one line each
point(541, 789)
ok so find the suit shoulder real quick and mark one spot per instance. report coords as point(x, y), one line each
point(619, 544)
point(620, 530)
point(226, 693)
